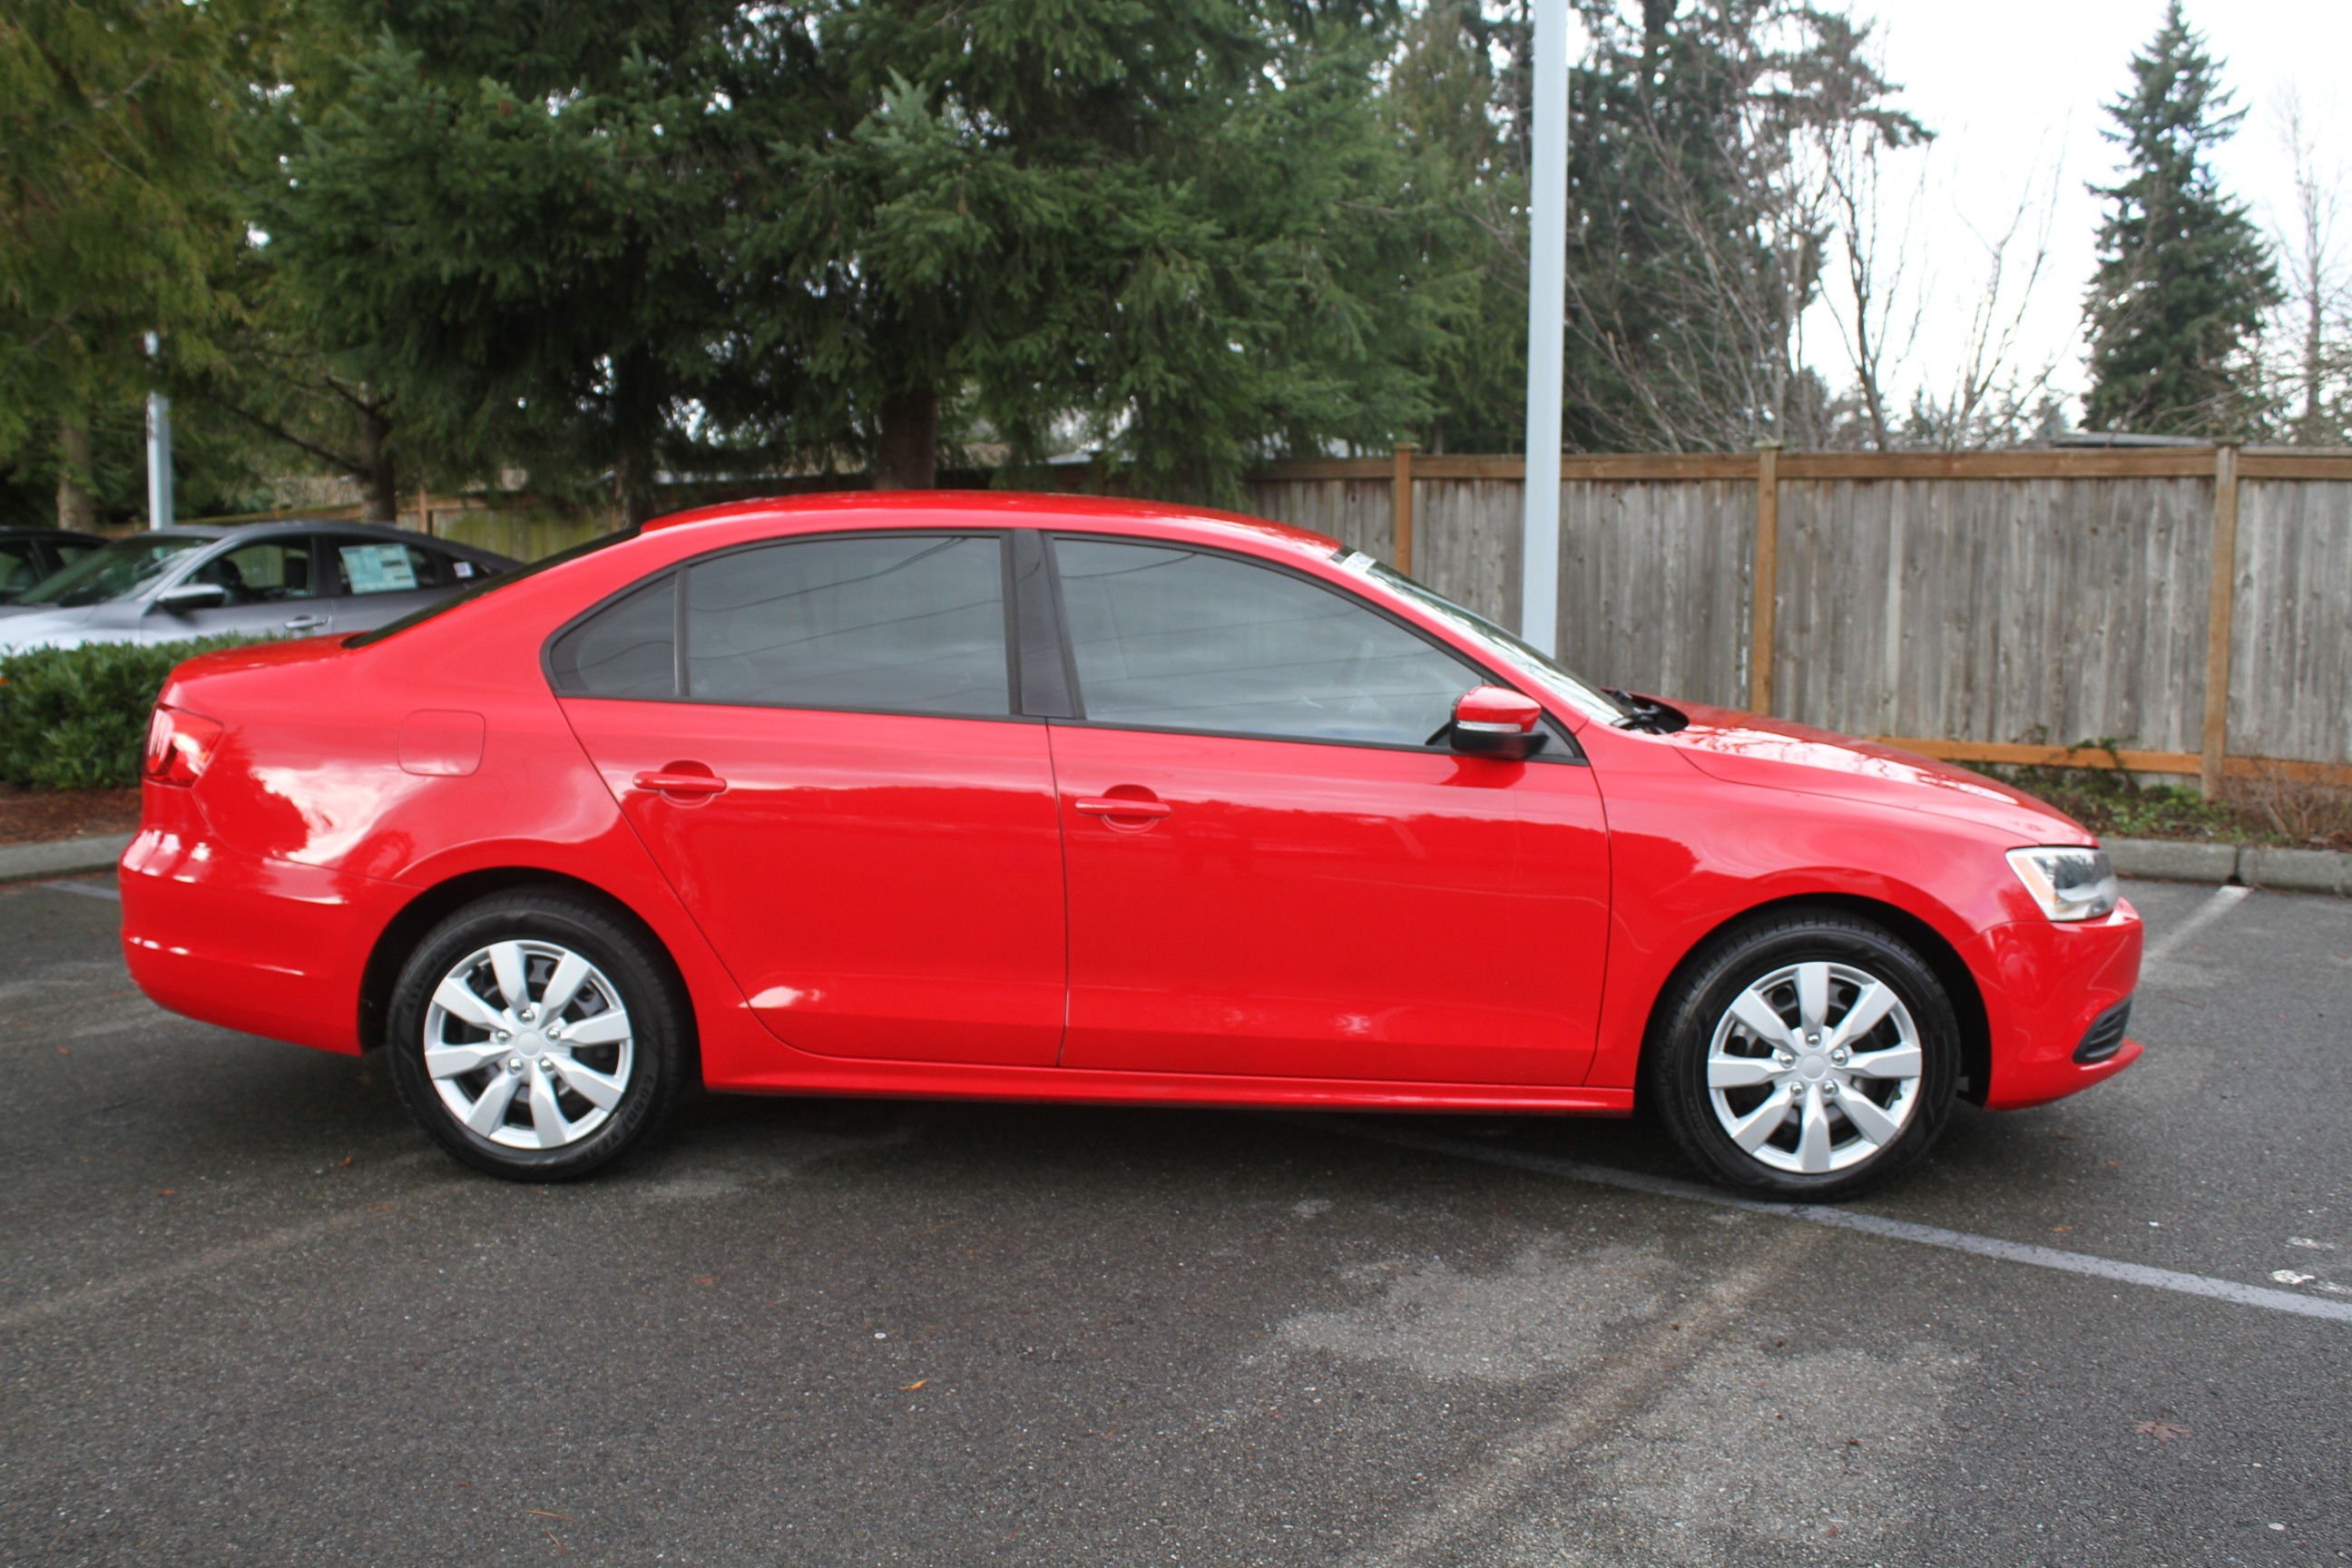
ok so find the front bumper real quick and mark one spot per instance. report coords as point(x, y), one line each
point(2045, 986)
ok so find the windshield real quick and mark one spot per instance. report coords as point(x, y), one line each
point(488, 585)
point(1506, 646)
point(122, 568)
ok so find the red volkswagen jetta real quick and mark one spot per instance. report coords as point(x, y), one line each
point(1043, 798)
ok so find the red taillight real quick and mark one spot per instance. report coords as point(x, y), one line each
point(179, 744)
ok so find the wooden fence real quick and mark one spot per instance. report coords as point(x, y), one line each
point(2178, 610)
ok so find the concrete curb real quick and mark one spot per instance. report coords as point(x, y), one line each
point(2257, 866)
point(61, 856)
point(2304, 870)
point(2173, 861)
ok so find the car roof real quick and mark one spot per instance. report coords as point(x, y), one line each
point(1009, 508)
point(176, 531)
point(278, 527)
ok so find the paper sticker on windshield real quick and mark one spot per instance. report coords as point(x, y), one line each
point(378, 568)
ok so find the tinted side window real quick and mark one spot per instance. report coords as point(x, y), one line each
point(889, 623)
point(263, 572)
point(20, 565)
point(1170, 638)
point(628, 648)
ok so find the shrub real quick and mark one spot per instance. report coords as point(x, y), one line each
point(77, 718)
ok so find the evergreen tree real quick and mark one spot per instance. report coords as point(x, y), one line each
point(1181, 232)
point(2184, 276)
point(1695, 240)
point(505, 221)
point(675, 233)
point(297, 404)
point(1457, 98)
point(116, 136)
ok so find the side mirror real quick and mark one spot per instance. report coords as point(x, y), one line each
point(1492, 722)
point(189, 596)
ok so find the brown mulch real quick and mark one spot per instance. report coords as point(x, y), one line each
point(30, 815)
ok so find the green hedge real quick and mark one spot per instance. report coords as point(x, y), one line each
point(77, 718)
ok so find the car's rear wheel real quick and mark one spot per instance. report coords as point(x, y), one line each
point(1810, 1054)
point(535, 1037)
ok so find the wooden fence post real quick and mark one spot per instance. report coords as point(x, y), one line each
point(1401, 505)
point(1768, 573)
point(2219, 613)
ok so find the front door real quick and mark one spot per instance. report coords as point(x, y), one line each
point(271, 587)
point(1275, 869)
point(816, 740)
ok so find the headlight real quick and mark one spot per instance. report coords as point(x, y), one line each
point(2069, 884)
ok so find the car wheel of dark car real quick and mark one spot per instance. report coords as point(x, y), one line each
point(1810, 1054)
point(535, 1037)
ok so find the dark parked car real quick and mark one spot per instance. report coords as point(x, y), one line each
point(277, 579)
point(29, 555)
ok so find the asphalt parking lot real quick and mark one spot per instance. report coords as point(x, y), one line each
point(248, 1315)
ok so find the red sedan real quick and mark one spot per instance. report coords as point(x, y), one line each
point(1038, 798)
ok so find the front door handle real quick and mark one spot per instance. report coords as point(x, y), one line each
point(305, 622)
point(675, 784)
point(1117, 805)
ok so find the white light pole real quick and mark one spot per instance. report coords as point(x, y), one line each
point(159, 443)
point(1547, 315)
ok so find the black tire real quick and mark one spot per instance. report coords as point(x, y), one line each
point(640, 980)
point(1703, 994)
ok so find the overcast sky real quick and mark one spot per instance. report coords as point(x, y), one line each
point(2015, 87)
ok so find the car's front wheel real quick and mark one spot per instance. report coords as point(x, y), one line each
point(535, 1037)
point(1807, 1055)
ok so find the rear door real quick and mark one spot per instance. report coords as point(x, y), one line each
point(372, 581)
point(816, 738)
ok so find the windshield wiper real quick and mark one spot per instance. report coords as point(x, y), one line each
point(1641, 714)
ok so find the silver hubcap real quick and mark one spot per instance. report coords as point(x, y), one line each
point(528, 1044)
point(1815, 1068)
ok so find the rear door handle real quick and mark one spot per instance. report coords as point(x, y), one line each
point(1114, 806)
point(305, 622)
point(677, 783)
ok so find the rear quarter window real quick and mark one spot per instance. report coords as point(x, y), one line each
point(628, 648)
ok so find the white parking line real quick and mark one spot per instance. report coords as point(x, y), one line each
point(2224, 901)
point(86, 889)
point(2023, 1252)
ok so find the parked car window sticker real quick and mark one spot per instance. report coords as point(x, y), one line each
point(378, 568)
point(489, 580)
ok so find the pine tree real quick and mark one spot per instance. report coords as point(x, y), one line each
point(116, 131)
point(1179, 231)
point(2184, 276)
point(597, 241)
point(1694, 243)
point(504, 219)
